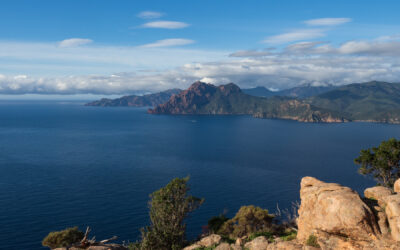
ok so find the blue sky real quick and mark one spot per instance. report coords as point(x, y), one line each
point(119, 47)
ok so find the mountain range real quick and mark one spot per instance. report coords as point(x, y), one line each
point(151, 100)
point(371, 101)
point(137, 101)
point(203, 98)
point(302, 91)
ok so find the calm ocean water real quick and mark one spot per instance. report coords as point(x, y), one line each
point(63, 164)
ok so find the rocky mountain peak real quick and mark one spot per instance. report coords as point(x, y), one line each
point(229, 88)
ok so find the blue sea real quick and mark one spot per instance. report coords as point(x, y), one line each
point(63, 164)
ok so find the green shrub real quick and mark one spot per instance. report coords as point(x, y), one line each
point(289, 236)
point(312, 241)
point(63, 238)
point(249, 219)
point(169, 207)
point(215, 223)
point(267, 235)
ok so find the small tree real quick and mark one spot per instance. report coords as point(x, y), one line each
point(169, 207)
point(381, 162)
point(63, 238)
point(249, 219)
point(215, 223)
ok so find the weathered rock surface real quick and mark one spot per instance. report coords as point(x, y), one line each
point(378, 193)
point(213, 239)
point(285, 245)
point(396, 186)
point(393, 215)
point(223, 246)
point(333, 209)
point(236, 247)
point(259, 243)
point(193, 247)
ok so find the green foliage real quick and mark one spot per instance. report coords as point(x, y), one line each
point(215, 223)
point(249, 219)
point(63, 238)
point(288, 236)
point(312, 241)
point(169, 207)
point(381, 162)
point(266, 234)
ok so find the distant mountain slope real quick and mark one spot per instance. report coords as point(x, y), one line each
point(302, 91)
point(305, 91)
point(137, 101)
point(259, 91)
point(371, 101)
point(203, 98)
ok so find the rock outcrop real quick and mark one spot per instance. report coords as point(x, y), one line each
point(329, 208)
point(209, 241)
point(392, 210)
point(335, 217)
point(396, 186)
point(258, 243)
point(378, 193)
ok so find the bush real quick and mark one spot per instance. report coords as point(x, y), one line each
point(63, 238)
point(267, 235)
point(249, 219)
point(169, 206)
point(312, 241)
point(215, 223)
point(289, 236)
point(382, 162)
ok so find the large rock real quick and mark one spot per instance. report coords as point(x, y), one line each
point(285, 245)
point(211, 240)
point(259, 243)
point(333, 209)
point(378, 193)
point(193, 247)
point(393, 215)
point(396, 186)
point(223, 246)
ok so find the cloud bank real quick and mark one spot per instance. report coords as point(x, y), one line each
point(300, 63)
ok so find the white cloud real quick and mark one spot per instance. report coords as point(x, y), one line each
point(165, 25)
point(302, 47)
point(74, 42)
point(250, 53)
point(327, 21)
point(296, 35)
point(391, 48)
point(168, 43)
point(150, 14)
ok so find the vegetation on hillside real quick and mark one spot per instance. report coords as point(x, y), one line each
point(371, 101)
